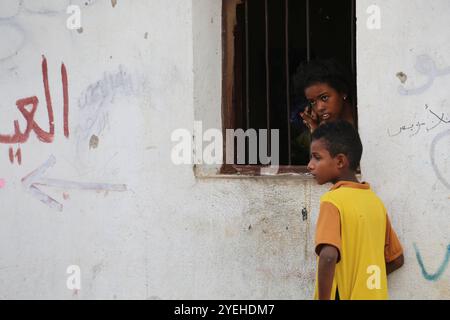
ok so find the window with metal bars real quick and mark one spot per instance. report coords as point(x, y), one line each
point(264, 41)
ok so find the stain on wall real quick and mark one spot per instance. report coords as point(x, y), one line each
point(93, 142)
point(425, 66)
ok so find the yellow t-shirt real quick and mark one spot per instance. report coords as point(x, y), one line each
point(354, 220)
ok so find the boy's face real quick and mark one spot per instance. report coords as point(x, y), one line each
point(322, 165)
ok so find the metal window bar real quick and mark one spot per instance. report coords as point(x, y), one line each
point(308, 39)
point(266, 16)
point(247, 77)
point(288, 92)
point(353, 57)
point(353, 35)
point(287, 66)
point(247, 81)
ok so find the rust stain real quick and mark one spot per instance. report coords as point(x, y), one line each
point(93, 142)
point(402, 76)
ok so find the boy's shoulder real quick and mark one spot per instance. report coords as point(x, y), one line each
point(345, 191)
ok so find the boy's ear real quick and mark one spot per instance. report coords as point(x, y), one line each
point(341, 161)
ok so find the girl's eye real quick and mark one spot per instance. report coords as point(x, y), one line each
point(324, 98)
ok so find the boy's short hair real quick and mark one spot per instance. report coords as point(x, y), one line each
point(341, 137)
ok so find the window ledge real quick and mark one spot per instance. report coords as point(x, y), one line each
point(253, 172)
point(250, 171)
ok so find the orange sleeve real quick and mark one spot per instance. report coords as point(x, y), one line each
point(328, 230)
point(392, 248)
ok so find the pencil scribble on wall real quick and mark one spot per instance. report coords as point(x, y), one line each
point(36, 178)
point(13, 39)
point(95, 101)
point(415, 127)
point(13, 34)
point(433, 149)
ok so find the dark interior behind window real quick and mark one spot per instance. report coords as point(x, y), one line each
point(270, 39)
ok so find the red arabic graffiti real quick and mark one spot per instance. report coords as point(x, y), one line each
point(20, 136)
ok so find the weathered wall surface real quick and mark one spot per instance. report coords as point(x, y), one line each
point(108, 198)
point(405, 128)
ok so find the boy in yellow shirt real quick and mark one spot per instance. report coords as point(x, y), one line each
point(355, 242)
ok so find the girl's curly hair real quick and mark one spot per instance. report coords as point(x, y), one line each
point(328, 71)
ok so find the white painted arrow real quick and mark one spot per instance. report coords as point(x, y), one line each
point(36, 178)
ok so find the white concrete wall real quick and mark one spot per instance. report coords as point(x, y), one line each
point(139, 70)
point(409, 167)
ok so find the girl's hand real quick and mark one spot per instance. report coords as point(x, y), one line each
point(310, 118)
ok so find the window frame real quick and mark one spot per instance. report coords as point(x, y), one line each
point(229, 20)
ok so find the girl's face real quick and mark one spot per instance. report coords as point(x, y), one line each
point(326, 101)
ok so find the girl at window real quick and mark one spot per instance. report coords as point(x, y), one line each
point(328, 89)
point(324, 92)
